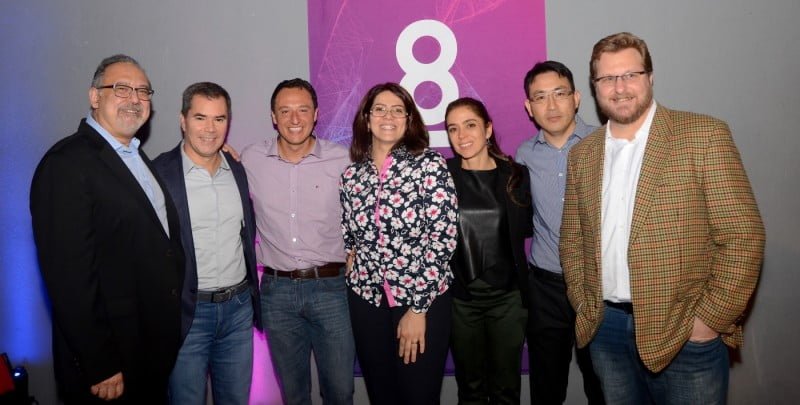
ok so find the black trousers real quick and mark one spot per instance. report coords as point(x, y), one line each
point(388, 380)
point(488, 333)
point(551, 338)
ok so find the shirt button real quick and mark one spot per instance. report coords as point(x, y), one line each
point(561, 175)
point(294, 240)
point(293, 214)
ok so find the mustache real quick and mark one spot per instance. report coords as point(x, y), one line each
point(130, 106)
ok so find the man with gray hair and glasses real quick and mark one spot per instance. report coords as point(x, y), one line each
point(109, 249)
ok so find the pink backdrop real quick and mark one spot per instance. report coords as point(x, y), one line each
point(438, 50)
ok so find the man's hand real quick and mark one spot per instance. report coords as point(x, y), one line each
point(233, 152)
point(109, 389)
point(411, 332)
point(701, 332)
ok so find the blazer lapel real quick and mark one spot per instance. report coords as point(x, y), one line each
point(174, 181)
point(655, 156)
point(593, 196)
point(117, 167)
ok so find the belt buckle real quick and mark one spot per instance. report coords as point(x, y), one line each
point(221, 296)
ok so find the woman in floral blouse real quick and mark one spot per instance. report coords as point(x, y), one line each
point(399, 223)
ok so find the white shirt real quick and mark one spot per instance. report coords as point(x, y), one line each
point(621, 168)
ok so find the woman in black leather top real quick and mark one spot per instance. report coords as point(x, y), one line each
point(489, 263)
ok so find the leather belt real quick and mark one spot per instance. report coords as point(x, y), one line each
point(545, 274)
point(326, 270)
point(626, 307)
point(223, 294)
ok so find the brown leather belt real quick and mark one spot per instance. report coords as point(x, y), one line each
point(326, 270)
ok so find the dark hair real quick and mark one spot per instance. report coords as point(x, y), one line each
point(493, 148)
point(415, 140)
point(296, 83)
point(548, 66)
point(619, 42)
point(97, 79)
point(208, 89)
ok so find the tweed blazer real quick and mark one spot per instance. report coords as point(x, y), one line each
point(696, 239)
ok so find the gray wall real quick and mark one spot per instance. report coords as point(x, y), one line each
point(736, 60)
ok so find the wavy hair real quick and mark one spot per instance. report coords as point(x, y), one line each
point(415, 139)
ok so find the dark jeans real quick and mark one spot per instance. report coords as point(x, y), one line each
point(305, 315)
point(388, 380)
point(697, 375)
point(219, 345)
point(488, 332)
point(551, 339)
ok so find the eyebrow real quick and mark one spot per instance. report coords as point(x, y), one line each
point(555, 89)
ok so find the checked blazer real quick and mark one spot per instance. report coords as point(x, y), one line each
point(696, 238)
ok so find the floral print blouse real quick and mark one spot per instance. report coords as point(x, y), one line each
point(400, 222)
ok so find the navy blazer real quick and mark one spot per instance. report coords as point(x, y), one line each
point(112, 273)
point(169, 166)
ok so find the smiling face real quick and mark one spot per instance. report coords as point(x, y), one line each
point(121, 117)
point(294, 116)
point(204, 127)
point(624, 102)
point(468, 133)
point(387, 130)
point(556, 117)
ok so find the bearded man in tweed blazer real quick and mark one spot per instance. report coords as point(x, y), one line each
point(661, 239)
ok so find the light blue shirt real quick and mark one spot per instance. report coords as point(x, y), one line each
point(547, 166)
point(217, 217)
point(130, 156)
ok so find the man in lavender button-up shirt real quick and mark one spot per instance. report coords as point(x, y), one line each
point(294, 180)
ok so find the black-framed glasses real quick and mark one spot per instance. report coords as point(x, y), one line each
point(125, 91)
point(558, 95)
point(611, 80)
point(382, 110)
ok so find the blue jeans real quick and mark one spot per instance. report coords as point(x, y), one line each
point(305, 315)
point(697, 375)
point(219, 343)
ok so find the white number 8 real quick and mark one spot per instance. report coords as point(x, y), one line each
point(437, 71)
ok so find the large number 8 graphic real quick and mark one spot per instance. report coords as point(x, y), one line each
point(437, 72)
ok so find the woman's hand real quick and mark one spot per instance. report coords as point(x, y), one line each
point(411, 332)
point(351, 257)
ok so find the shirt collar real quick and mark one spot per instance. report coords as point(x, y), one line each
point(581, 130)
point(272, 148)
point(118, 146)
point(189, 165)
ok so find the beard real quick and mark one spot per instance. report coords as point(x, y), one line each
point(627, 116)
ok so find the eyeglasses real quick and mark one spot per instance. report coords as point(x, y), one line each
point(612, 80)
point(558, 95)
point(125, 91)
point(382, 110)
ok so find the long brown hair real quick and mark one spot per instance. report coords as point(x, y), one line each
point(415, 140)
point(492, 147)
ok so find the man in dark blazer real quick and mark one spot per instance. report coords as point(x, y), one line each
point(220, 290)
point(661, 239)
point(108, 248)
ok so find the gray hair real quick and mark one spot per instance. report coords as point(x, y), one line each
point(97, 80)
